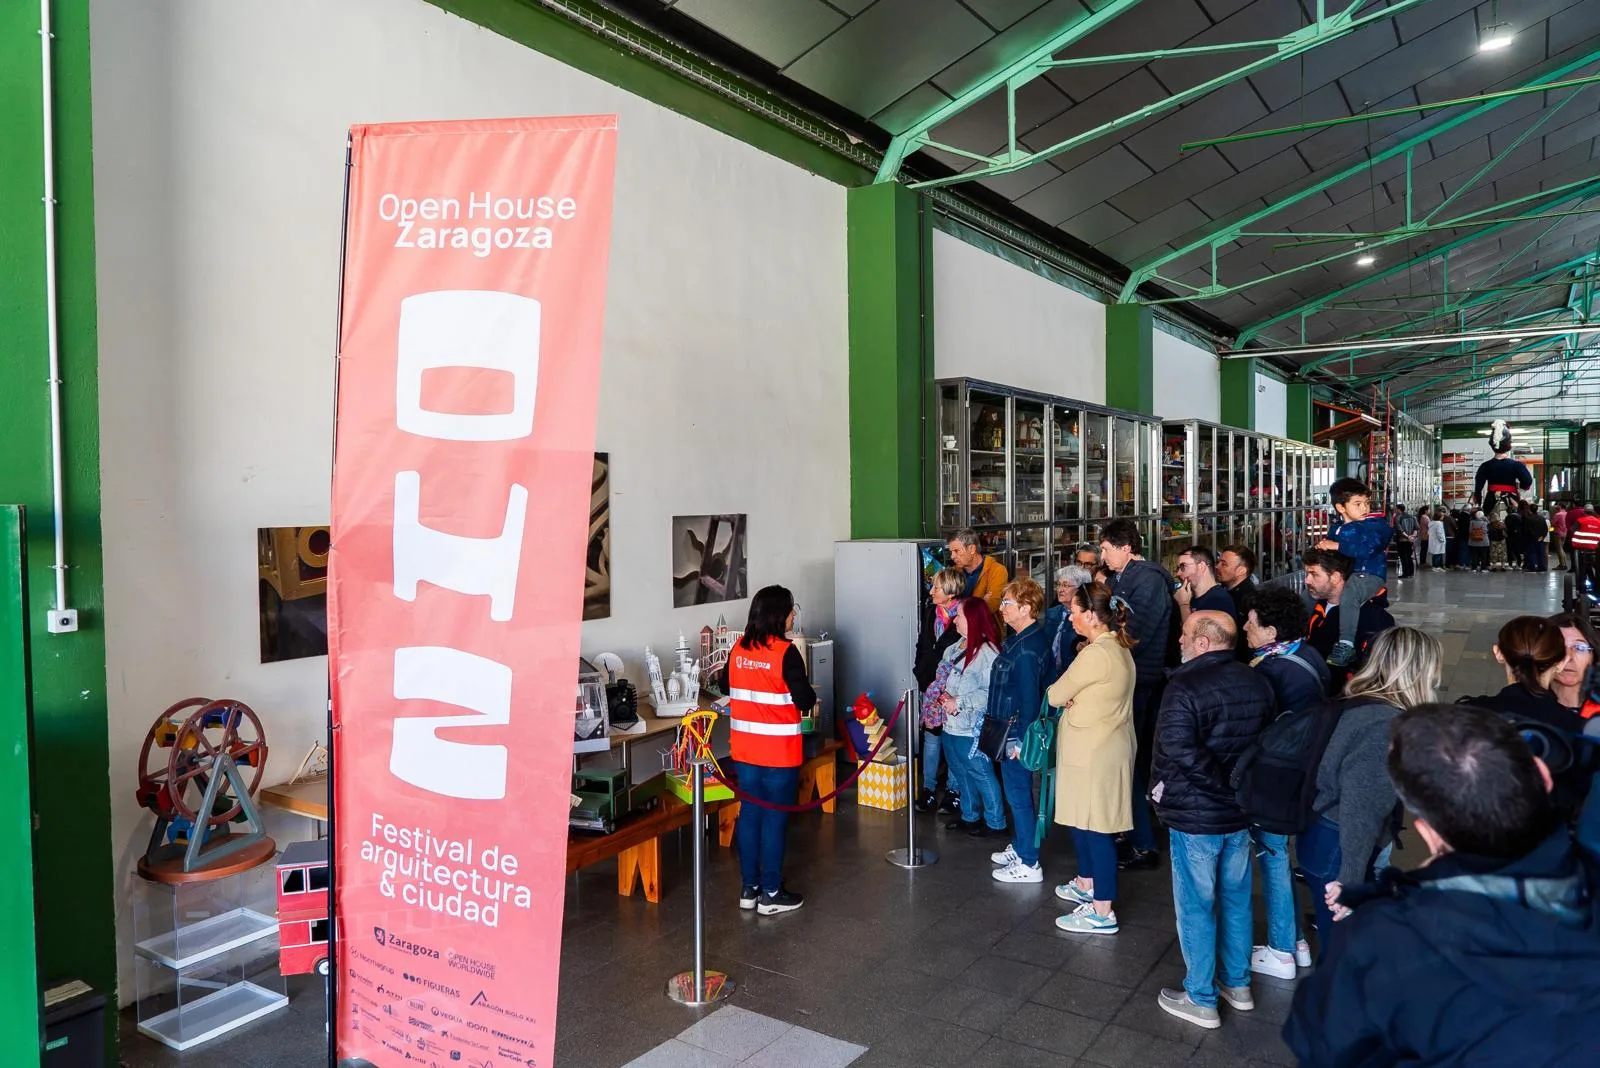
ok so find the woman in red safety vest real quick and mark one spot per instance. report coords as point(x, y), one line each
point(768, 691)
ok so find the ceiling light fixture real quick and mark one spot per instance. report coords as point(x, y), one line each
point(1496, 37)
point(1366, 259)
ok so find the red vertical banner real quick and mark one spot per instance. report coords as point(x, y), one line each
point(469, 368)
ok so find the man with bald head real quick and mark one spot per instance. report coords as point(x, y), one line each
point(1212, 710)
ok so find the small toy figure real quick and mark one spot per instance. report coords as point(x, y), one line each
point(303, 909)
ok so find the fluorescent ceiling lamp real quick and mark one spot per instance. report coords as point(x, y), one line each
point(1366, 259)
point(1513, 340)
point(1496, 37)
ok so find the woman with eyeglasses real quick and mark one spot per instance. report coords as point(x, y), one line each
point(1064, 639)
point(1094, 756)
point(936, 635)
point(1572, 684)
point(1016, 690)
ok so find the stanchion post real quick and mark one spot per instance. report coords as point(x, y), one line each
point(910, 856)
point(698, 986)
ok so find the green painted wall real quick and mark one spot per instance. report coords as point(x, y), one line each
point(1239, 392)
point(19, 985)
point(71, 756)
point(891, 363)
point(1130, 347)
point(1299, 423)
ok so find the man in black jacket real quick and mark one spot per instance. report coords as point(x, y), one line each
point(1490, 952)
point(1326, 572)
point(1212, 710)
point(1147, 588)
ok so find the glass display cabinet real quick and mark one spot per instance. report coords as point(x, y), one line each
point(1035, 475)
point(1221, 486)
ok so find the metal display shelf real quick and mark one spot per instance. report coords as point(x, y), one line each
point(1222, 486)
point(1036, 474)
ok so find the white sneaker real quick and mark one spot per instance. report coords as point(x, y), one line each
point(1265, 960)
point(1018, 872)
point(1005, 858)
point(1302, 953)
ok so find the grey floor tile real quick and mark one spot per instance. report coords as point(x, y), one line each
point(675, 1054)
point(999, 1053)
point(972, 1007)
point(1004, 976)
point(802, 1048)
point(1074, 994)
point(1245, 1039)
point(1051, 1029)
point(1122, 1047)
point(735, 1032)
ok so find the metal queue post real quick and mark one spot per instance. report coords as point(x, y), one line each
point(699, 986)
point(910, 856)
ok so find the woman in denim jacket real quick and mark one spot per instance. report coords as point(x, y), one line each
point(1016, 688)
point(966, 671)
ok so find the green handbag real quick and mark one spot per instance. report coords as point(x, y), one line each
point(1038, 741)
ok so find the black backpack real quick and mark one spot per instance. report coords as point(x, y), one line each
point(1275, 780)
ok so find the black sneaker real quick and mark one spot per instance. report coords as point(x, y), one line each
point(952, 801)
point(1139, 860)
point(959, 824)
point(782, 901)
point(926, 803)
point(983, 830)
point(748, 896)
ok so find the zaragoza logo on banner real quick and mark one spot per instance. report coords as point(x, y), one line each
point(469, 367)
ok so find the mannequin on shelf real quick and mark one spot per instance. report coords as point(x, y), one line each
point(1503, 476)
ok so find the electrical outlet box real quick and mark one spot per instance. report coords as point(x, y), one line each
point(62, 621)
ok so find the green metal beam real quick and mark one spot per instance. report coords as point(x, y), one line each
point(1585, 189)
point(1221, 235)
point(1437, 105)
point(1010, 77)
point(1038, 62)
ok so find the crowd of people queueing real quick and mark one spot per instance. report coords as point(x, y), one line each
point(1268, 737)
point(1508, 535)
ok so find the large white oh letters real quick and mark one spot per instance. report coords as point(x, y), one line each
point(469, 330)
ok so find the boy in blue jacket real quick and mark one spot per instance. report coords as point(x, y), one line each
point(1364, 538)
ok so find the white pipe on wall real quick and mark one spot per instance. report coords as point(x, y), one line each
point(61, 619)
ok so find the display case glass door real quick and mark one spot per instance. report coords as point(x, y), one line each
point(1252, 471)
point(988, 448)
point(1224, 456)
point(1031, 553)
point(1241, 472)
point(1096, 465)
point(1205, 460)
point(1125, 457)
point(1066, 432)
point(1028, 448)
point(952, 483)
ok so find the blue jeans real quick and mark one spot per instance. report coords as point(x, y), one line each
point(980, 790)
point(1538, 556)
point(1018, 783)
point(1097, 860)
point(1208, 871)
point(1277, 887)
point(1319, 857)
point(760, 833)
point(930, 761)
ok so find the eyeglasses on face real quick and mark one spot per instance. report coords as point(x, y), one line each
point(1581, 647)
point(1008, 602)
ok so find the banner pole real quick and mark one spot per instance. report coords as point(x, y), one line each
point(699, 987)
point(910, 856)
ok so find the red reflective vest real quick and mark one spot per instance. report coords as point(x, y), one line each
point(1586, 535)
point(764, 723)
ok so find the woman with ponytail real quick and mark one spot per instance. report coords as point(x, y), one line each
point(1094, 755)
point(1532, 650)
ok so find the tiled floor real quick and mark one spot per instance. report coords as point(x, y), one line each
point(940, 966)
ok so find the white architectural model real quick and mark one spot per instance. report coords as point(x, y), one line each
point(679, 693)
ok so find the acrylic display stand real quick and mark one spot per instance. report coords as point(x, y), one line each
point(206, 953)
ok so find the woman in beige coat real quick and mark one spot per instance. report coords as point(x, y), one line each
point(1094, 755)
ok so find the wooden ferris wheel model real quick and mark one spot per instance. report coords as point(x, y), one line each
point(199, 768)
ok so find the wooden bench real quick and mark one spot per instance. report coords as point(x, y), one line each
point(636, 843)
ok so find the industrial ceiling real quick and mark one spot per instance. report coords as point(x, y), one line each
point(1481, 214)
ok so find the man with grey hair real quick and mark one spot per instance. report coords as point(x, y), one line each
point(1087, 555)
point(1058, 619)
point(985, 576)
point(1211, 712)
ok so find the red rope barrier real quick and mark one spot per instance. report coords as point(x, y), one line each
point(888, 732)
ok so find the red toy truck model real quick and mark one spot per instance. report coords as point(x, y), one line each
point(303, 909)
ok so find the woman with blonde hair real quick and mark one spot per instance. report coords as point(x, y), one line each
point(1094, 755)
point(1356, 804)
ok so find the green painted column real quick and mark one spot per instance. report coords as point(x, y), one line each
point(19, 987)
point(71, 758)
point(888, 246)
point(1238, 406)
point(1299, 425)
point(1130, 374)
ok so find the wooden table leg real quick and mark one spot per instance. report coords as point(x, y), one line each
point(827, 782)
point(727, 820)
point(627, 869)
point(641, 862)
point(808, 783)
